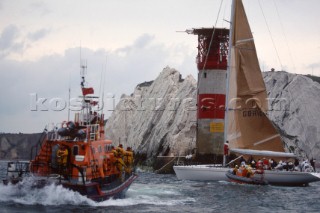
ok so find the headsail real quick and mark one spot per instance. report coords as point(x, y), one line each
point(248, 126)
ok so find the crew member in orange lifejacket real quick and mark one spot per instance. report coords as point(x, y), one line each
point(244, 171)
point(118, 153)
point(235, 170)
point(121, 150)
point(112, 161)
point(249, 173)
point(62, 155)
point(62, 158)
point(128, 160)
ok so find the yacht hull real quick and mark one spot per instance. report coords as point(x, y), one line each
point(273, 177)
point(201, 172)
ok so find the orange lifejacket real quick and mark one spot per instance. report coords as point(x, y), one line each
point(244, 172)
point(128, 158)
point(62, 156)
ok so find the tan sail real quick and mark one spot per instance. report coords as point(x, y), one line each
point(248, 126)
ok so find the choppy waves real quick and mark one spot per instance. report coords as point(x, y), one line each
point(163, 193)
point(25, 193)
point(55, 195)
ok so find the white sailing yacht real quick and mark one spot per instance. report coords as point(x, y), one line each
point(247, 128)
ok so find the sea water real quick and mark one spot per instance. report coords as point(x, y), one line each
point(164, 193)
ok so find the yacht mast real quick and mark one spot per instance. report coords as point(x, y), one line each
point(228, 71)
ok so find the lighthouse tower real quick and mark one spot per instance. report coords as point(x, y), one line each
point(212, 65)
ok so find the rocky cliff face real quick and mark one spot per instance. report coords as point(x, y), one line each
point(17, 146)
point(294, 109)
point(159, 118)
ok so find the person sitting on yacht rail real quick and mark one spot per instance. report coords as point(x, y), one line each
point(282, 165)
point(259, 164)
point(253, 163)
point(306, 167)
point(265, 163)
point(273, 163)
point(290, 166)
point(259, 169)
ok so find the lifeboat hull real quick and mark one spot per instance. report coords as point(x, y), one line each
point(99, 192)
point(93, 190)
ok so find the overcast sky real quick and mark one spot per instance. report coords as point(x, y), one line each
point(40, 40)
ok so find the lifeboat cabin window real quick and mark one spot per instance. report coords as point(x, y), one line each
point(93, 150)
point(75, 150)
point(100, 149)
point(107, 147)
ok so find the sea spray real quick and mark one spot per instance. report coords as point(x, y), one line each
point(26, 193)
point(48, 195)
point(165, 193)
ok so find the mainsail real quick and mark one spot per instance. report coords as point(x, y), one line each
point(247, 104)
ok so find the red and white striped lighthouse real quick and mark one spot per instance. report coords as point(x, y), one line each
point(212, 65)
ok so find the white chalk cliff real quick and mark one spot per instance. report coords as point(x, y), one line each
point(159, 118)
point(295, 110)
